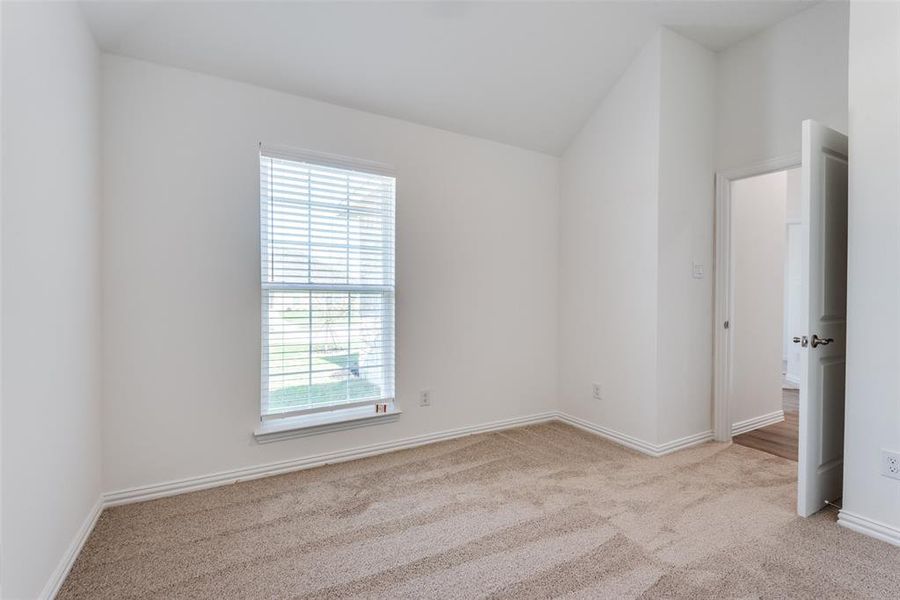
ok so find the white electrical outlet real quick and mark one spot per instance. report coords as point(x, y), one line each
point(425, 398)
point(598, 392)
point(890, 464)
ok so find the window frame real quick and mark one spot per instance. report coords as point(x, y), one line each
point(318, 415)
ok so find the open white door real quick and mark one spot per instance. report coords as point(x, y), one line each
point(823, 357)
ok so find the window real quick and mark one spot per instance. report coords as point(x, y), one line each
point(327, 250)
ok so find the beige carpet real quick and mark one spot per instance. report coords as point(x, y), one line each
point(536, 512)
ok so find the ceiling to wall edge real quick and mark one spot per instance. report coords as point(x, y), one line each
point(568, 141)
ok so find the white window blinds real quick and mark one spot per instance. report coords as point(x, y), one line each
point(327, 249)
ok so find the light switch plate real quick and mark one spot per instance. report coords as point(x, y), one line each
point(698, 270)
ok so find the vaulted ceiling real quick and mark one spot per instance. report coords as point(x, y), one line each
point(522, 73)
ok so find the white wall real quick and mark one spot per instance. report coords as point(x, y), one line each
point(758, 206)
point(872, 415)
point(476, 271)
point(51, 290)
point(608, 256)
point(763, 88)
point(685, 237)
point(636, 196)
point(769, 83)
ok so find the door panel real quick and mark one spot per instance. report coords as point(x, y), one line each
point(831, 447)
point(834, 239)
point(822, 366)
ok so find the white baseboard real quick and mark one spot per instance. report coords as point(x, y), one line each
point(634, 443)
point(65, 565)
point(757, 422)
point(685, 442)
point(192, 484)
point(610, 434)
point(882, 531)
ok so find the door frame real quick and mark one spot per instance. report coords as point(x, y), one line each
point(724, 286)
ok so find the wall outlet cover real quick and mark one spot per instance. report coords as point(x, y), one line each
point(890, 464)
point(425, 398)
point(597, 392)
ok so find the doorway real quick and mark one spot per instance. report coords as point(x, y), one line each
point(821, 335)
point(766, 309)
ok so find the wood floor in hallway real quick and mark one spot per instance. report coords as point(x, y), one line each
point(780, 439)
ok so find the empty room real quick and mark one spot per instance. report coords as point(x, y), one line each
point(449, 299)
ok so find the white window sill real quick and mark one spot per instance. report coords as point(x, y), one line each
point(323, 422)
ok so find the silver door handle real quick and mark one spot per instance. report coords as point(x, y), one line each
point(800, 340)
point(817, 341)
